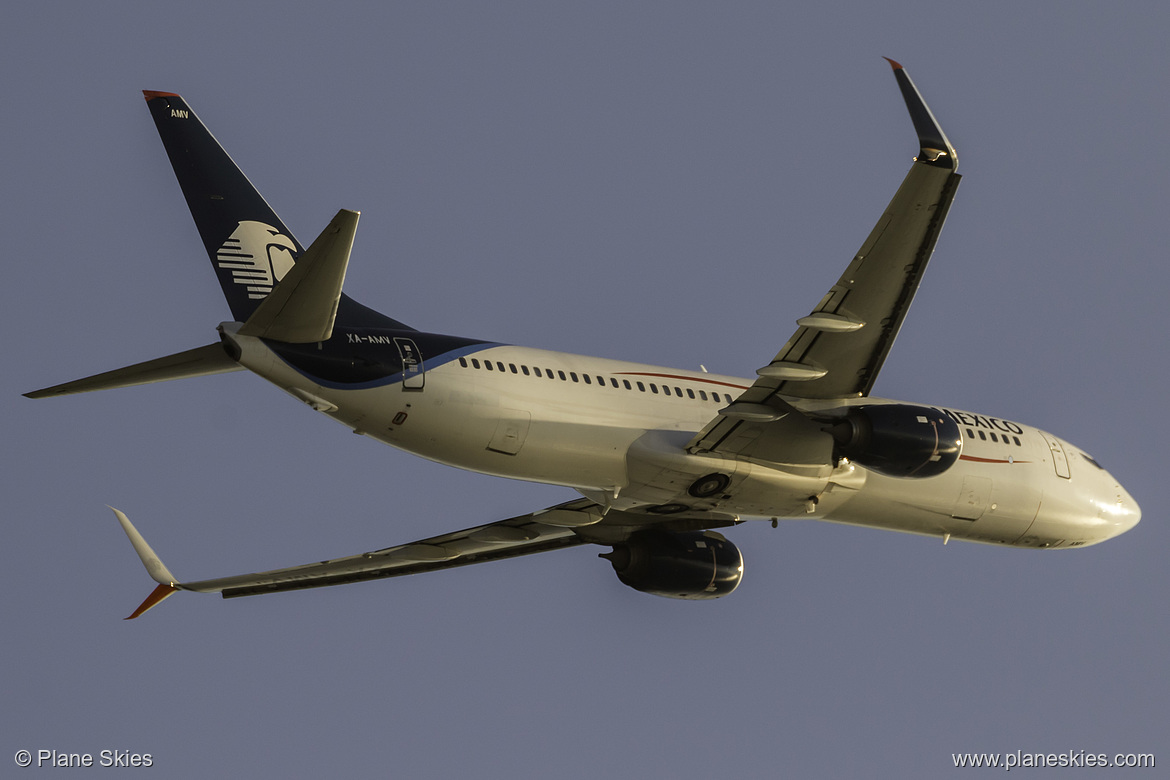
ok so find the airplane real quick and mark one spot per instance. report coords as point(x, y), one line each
point(661, 459)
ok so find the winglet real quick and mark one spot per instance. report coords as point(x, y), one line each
point(153, 600)
point(936, 148)
point(154, 567)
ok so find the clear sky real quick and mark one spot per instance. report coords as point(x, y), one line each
point(663, 182)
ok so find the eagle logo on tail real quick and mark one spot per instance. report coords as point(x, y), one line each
point(258, 255)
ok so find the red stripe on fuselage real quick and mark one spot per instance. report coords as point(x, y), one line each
point(681, 378)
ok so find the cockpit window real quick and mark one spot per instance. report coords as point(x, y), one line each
point(1092, 460)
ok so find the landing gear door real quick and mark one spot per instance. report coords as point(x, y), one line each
point(413, 373)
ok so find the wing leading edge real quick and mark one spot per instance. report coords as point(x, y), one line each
point(839, 348)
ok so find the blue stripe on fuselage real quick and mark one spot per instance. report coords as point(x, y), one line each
point(426, 343)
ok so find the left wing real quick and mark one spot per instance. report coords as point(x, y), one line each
point(548, 529)
point(572, 523)
point(838, 349)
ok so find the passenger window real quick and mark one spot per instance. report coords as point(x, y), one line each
point(573, 375)
point(690, 393)
point(654, 388)
point(500, 366)
point(1016, 439)
point(613, 381)
point(703, 395)
point(561, 374)
point(488, 365)
point(641, 387)
point(463, 362)
point(982, 436)
point(525, 370)
point(970, 434)
point(474, 363)
point(626, 383)
point(601, 380)
point(994, 439)
point(512, 367)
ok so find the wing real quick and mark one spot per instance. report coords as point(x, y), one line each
point(572, 523)
point(838, 349)
point(549, 529)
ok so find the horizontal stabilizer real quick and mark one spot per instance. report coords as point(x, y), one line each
point(200, 361)
point(301, 309)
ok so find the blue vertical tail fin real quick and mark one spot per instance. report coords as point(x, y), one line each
point(249, 246)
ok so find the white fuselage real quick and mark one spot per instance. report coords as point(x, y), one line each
point(617, 431)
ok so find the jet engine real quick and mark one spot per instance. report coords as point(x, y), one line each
point(693, 565)
point(898, 440)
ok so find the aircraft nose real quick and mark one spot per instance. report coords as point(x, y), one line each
point(1116, 509)
point(1129, 513)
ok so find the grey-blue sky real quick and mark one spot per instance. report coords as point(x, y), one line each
point(639, 181)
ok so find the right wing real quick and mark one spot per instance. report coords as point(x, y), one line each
point(838, 349)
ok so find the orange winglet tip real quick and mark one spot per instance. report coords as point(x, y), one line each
point(893, 64)
point(154, 599)
point(149, 95)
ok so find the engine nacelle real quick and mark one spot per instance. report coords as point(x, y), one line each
point(692, 565)
point(899, 440)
